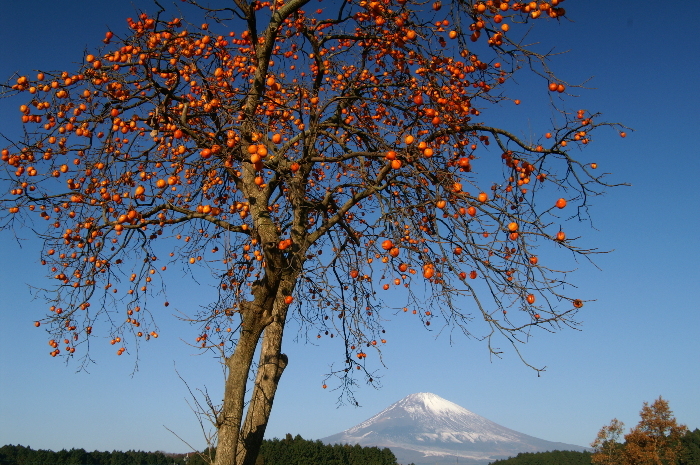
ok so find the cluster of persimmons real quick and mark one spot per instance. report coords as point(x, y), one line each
point(349, 148)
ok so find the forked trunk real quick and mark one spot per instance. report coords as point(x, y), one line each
point(238, 364)
point(239, 442)
point(272, 364)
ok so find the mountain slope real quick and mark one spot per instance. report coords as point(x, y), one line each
point(425, 428)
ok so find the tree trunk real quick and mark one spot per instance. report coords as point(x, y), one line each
point(238, 364)
point(270, 367)
point(272, 364)
point(239, 442)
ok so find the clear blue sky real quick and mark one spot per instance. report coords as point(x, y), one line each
point(639, 339)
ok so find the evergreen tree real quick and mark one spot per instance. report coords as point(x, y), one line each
point(556, 457)
point(77, 457)
point(691, 448)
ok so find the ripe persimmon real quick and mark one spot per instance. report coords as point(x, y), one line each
point(561, 203)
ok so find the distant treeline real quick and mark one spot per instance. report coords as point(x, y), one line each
point(20, 455)
point(299, 451)
point(555, 457)
point(295, 451)
point(287, 451)
point(689, 456)
point(691, 443)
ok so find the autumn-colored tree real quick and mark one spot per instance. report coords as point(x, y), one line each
point(607, 446)
point(307, 156)
point(656, 440)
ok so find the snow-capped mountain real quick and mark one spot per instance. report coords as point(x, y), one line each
point(425, 429)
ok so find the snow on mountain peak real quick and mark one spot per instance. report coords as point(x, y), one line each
point(431, 414)
point(433, 403)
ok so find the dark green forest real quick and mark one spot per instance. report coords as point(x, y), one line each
point(11, 455)
point(287, 451)
point(691, 453)
point(298, 451)
point(295, 451)
point(556, 457)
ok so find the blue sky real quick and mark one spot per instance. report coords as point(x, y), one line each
point(639, 339)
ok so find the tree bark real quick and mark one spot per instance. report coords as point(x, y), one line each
point(270, 367)
point(229, 420)
point(272, 364)
point(239, 442)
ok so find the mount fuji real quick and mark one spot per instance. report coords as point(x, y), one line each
point(426, 429)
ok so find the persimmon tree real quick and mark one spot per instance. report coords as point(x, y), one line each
point(307, 156)
point(656, 440)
